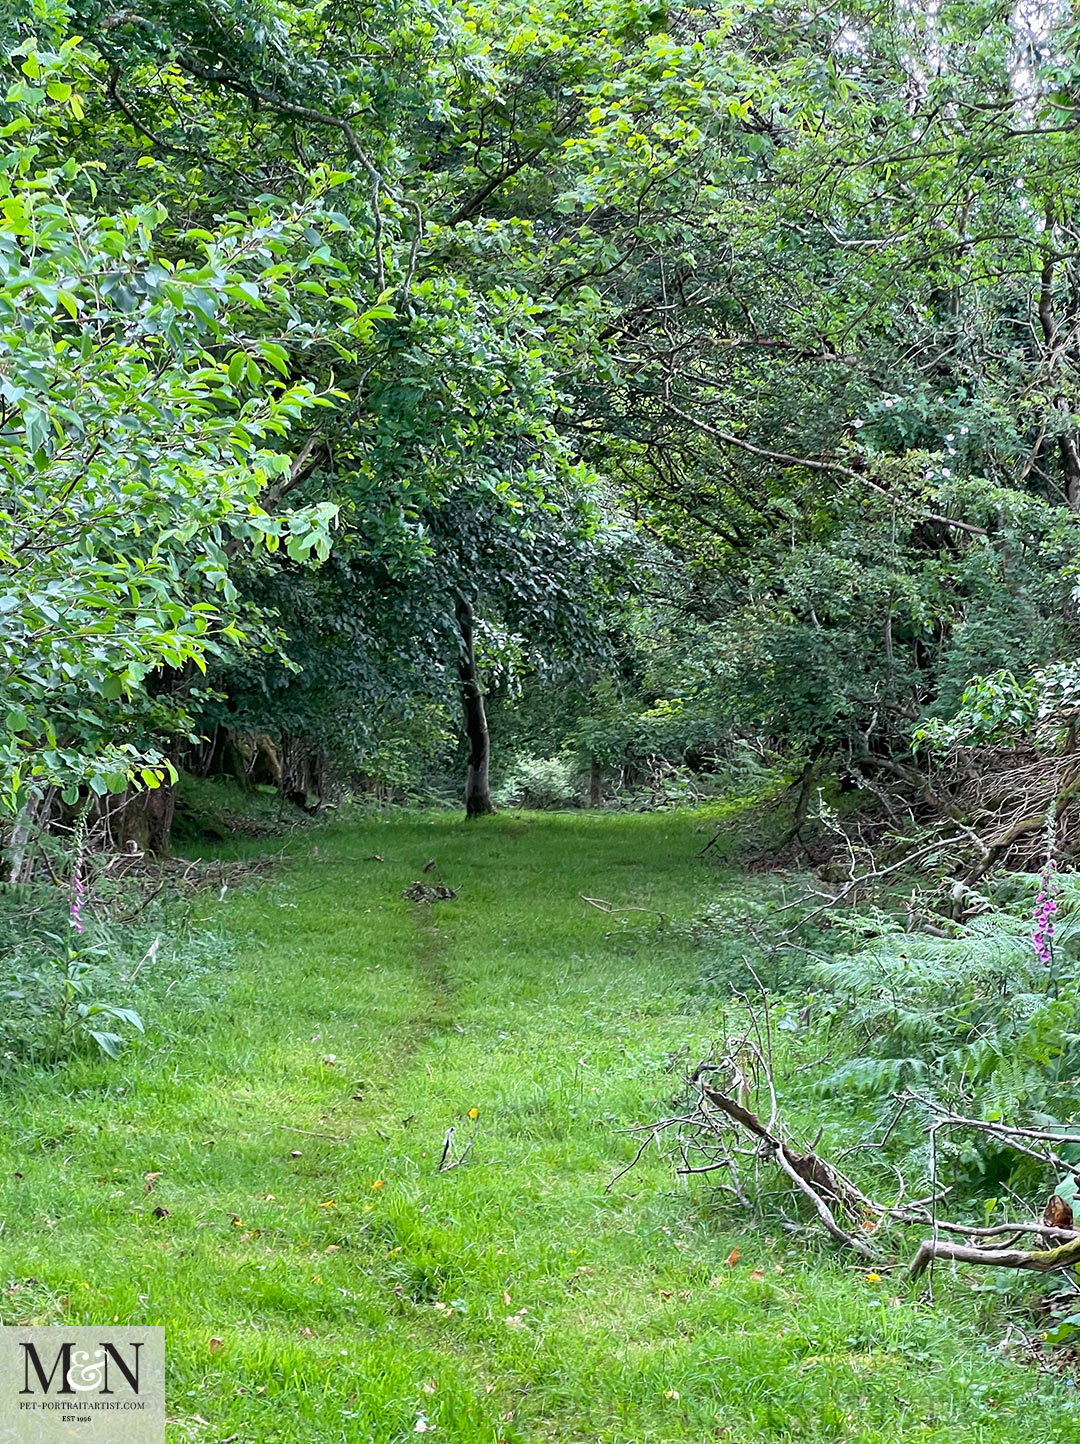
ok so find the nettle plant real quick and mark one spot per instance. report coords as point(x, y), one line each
point(145, 396)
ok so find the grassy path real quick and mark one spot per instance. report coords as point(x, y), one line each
point(321, 1282)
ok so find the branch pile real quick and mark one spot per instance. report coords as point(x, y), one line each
point(720, 1132)
point(973, 816)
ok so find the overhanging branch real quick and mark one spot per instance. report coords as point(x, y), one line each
point(808, 463)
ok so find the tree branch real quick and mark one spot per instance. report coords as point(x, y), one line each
point(808, 463)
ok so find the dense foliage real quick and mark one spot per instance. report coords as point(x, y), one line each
point(681, 397)
point(719, 362)
point(715, 367)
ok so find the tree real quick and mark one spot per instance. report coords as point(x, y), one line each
point(477, 782)
point(449, 472)
point(788, 292)
point(142, 418)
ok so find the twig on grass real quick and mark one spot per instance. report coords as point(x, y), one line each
point(448, 1161)
point(602, 905)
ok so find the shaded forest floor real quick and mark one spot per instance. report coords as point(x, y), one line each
point(260, 1175)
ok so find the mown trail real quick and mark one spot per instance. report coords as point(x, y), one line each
point(321, 1281)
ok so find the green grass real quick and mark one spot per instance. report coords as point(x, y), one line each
point(515, 1298)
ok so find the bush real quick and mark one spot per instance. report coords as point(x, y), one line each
point(540, 782)
point(974, 1020)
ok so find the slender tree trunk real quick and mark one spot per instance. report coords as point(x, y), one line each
point(145, 819)
point(477, 789)
point(596, 784)
point(802, 804)
point(25, 831)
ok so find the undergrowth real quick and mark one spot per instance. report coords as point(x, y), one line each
point(876, 1022)
point(65, 992)
point(220, 809)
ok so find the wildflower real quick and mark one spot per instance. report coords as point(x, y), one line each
point(1046, 906)
point(77, 894)
point(78, 884)
point(378, 1183)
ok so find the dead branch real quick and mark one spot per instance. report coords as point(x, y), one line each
point(723, 1124)
point(1043, 1261)
point(602, 905)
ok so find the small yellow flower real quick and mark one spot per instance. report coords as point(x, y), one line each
point(378, 1183)
point(873, 1278)
point(474, 1113)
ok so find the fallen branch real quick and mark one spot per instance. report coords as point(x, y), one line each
point(1043, 1261)
point(602, 905)
point(329, 1137)
point(722, 1125)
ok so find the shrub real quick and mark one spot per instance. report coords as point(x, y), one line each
point(976, 1021)
point(540, 782)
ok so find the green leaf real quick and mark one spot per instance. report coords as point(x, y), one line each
point(109, 1043)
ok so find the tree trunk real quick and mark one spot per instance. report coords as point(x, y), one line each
point(477, 790)
point(802, 804)
point(26, 829)
point(299, 770)
point(144, 821)
point(596, 784)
